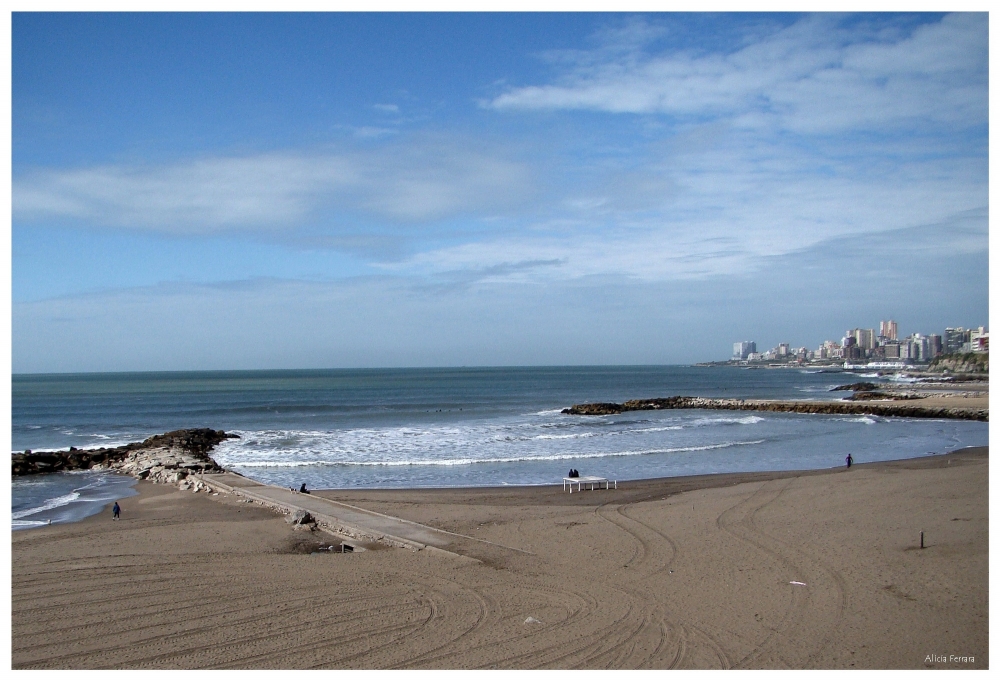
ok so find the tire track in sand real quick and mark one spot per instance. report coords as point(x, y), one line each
point(821, 602)
point(679, 633)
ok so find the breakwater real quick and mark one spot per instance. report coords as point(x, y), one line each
point(169, 457)
point(682, 402)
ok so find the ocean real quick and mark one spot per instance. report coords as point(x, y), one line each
point(452, 427)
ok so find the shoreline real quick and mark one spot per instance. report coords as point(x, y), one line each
point(678, 483)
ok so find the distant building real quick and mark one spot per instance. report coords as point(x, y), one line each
point(830, 350)
point(865, 338)
point(888, 330)
point(743, 349)
point(891, 350)
point(954, 339)
point(906, 350)
point(979, 340)
point(936, 346)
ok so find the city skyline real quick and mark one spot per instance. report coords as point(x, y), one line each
point(243, 191)
point(915, 346)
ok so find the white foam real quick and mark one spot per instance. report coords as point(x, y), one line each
point(572, 436)
point(48, 505)
point(900, 378)
point(493, 460)
point(744, 420)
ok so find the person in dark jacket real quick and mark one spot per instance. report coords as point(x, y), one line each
point(303, 489)
point(850, 460)
point(116, 511)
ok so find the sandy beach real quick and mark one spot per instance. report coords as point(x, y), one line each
point(821, 569)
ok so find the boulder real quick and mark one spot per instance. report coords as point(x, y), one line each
point(299, 517)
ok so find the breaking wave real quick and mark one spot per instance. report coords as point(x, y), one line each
point(495, 460)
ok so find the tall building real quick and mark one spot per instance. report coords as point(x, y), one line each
point(906, 349)
point(865, 338)
point(954, 339)
point(888, 330)
point(743, 349)
point(936, 346)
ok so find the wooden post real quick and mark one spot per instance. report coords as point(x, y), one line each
point(921, 539)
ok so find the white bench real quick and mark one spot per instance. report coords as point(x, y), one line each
point(592, 480)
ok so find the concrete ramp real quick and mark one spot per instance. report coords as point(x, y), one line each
point(342, 519)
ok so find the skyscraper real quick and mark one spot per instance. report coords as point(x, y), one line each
point(743, 349)
point(865, 338)
point(888, 330)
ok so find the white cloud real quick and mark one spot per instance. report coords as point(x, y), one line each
point(728, 222)
point(811, 76)
point(419, 180)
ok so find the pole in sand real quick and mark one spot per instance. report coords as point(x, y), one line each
point(921, 539)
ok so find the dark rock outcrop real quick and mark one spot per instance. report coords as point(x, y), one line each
point(859, 408)
point(856, 386)
point(174, 454)
point(879, 395)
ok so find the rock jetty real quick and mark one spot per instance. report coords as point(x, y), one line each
point(681, 402)
point(167, 458)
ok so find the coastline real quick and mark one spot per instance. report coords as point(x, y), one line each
point(687, 572)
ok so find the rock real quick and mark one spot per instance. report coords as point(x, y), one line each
point(299, 517)
point(186, 449)
point(857, 386)
point(680, 402)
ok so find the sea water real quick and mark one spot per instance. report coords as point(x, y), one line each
point(467, 426)
point(48, 498)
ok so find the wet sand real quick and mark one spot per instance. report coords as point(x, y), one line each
point(677, 573)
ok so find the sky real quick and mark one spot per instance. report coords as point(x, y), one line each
point(261, 191)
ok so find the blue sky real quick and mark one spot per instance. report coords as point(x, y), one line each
point(214, 191)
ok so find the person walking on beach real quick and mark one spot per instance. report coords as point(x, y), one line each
point(850, 460)
point(115, 511)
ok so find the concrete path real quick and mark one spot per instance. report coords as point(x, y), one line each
point(343, 519)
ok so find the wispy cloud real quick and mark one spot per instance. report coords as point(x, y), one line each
point(815, 75)
point(419, 180)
